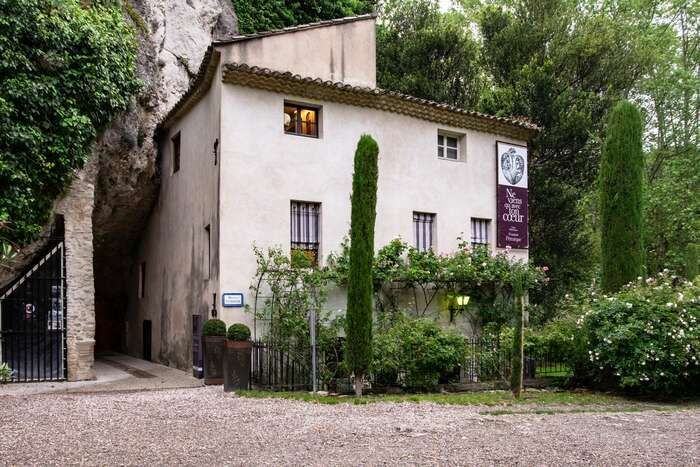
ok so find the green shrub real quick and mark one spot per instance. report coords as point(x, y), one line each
point(5, 373)
point(238, 332)
point(416, 353)
point(214, 327)
point(646, 338)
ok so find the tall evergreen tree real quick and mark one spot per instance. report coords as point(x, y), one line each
point(621, 191)
point(359, 307)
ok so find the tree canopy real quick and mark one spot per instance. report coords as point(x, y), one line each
point(265, 15)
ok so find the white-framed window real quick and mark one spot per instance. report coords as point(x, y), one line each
point(423, 230)
point(448, 146)
point(480, 231)
point(305, 228)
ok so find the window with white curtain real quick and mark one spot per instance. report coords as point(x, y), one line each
point(305, 231)
point(424, 230)
point(480, 231)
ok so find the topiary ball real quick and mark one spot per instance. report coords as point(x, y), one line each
point(214, 327)
point(238, 332)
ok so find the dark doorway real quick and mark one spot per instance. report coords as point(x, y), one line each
point(147, 330)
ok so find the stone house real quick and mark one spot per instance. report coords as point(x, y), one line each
point(260, 152)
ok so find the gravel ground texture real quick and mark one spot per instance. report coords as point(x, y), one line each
point(205, 426)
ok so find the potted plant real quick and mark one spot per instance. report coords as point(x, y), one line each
point(237, 361)
point(214, 332)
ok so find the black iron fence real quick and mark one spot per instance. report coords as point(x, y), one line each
point(279, 368)
point(489, 360)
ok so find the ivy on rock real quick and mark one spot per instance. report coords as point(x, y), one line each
point(66, 70)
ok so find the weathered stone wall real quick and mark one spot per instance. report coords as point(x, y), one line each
point(76, 208)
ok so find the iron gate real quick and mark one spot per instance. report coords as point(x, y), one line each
point(33, 320)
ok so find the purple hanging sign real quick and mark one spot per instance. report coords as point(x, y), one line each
point(512, 196)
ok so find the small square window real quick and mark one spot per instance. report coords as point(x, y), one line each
point(301, 120)
point(176, 152)
point(448, 147)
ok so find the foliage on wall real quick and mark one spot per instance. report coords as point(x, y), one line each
point(65, 71)
point(473, 271)
point(267, 15)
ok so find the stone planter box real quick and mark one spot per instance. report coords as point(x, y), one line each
point(237, 365)
point(214, 349)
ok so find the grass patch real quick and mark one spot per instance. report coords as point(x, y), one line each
point(584, 409)
point(485, 398)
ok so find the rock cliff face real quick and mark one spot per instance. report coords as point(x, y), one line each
point(173, 35)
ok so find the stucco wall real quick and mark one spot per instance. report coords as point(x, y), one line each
point(341, 53)
point(263, 169)
point(174, 243)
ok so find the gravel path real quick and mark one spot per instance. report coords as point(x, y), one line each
point(204, 426)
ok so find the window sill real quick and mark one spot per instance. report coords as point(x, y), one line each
point(302, 135)
point(451, 160)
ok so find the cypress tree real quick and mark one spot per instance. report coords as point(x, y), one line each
point(359, 307)
point(621, 191)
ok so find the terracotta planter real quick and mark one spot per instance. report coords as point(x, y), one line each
point(214, 349)
point(237, 365)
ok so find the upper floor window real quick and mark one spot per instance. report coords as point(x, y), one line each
point(424, 230)
point(176, 152)
point(301, 120)
point(305, 235)
point(480, 231)
point(450, 146)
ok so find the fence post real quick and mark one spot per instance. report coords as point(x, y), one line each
point(312, 327)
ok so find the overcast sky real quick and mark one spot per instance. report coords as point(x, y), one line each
point(445, 4)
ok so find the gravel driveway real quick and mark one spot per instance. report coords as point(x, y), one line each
point(204, 426)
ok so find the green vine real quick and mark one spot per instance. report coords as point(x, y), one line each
point(66, 70)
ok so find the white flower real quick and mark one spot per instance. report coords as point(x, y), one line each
point(628, 305)
point(661, 374)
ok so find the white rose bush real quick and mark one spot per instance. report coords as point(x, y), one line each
point(644, 339)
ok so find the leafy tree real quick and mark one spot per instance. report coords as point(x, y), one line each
point(65, 71)
point(621, 191)
point(425, 53)
point(266, 15)
point(670, 98)
point(562, 64)
point(359, 306)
